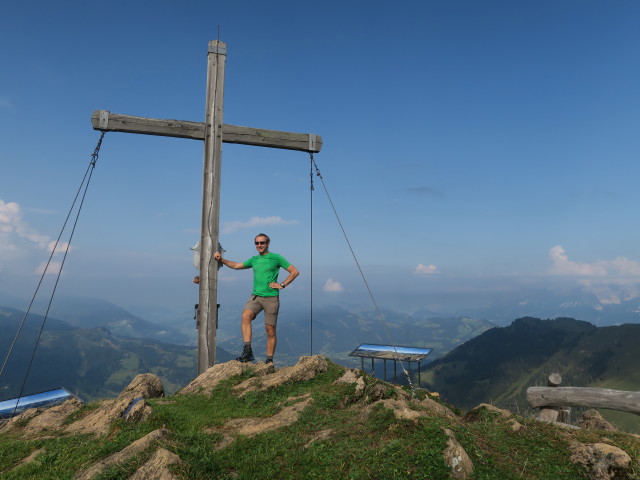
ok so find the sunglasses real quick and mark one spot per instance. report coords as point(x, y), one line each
point(261, 243)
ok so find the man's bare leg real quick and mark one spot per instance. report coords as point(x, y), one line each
point(271, 340)
point(247, 353)
point(247, 317)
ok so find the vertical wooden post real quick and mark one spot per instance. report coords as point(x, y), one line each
point(209, 232)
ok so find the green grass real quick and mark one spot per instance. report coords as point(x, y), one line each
point(536, 451)
point(365, 441)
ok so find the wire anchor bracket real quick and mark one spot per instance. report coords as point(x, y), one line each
point(103, 121)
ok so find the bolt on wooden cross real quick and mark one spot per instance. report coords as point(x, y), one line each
point(213, 132)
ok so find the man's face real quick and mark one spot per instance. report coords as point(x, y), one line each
point(262, 244)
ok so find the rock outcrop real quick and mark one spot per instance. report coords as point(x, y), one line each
point(603, 461)
point(42, 421)
point(593, 420)
point(129, 405)
point(157, 467)
point(306, 369)
point(97, 421)
point(123, 455)
point(204, 383)
point(457, 458)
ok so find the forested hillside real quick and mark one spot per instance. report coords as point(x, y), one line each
point(499, 365)
point(91, 363)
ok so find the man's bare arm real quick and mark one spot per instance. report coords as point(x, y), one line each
point(228, 263)
point(293, 273)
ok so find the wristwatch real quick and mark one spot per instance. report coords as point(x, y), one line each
point(283, 285)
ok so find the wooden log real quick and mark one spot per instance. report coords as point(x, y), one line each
point(548, 414)
point(260, 137)
point(115, 122)
point(584, 397)
point(554, 380)
point(564, 414)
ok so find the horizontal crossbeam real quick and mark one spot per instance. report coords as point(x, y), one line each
point(114, 122)
point(622, 400)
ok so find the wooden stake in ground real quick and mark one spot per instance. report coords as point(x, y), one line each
point(214, 132)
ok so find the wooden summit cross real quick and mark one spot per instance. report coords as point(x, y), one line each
point(213, 132)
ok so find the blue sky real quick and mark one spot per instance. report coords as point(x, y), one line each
point(468, 146)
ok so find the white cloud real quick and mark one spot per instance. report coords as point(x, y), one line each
point(54, 268)
point(60, 248)
point(611, 281)
point(563, 266)
point(9, 212)
point(619, 267)
point(624, 266)
point(425, 269)
point(332, 286)
point(255, 222)
point(13, 231)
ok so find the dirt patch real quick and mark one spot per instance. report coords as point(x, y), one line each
point(29, 458)
point(252, 426)
point(407, 409)
point(401, 410)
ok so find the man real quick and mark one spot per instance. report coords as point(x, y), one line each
point(265, 295)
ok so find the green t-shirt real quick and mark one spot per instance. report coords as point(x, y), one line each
point(265, 270)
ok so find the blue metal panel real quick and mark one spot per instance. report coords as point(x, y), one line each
point(389, 352)
point(45, 399)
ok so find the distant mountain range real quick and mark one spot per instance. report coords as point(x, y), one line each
point(85, 312)
point(93, 348)
point(97, 347)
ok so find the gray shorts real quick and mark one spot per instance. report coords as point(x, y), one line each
point(270, 305)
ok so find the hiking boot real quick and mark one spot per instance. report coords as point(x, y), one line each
point(268, 360)
point(246, 356)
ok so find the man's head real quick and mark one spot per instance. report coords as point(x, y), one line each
point(262, 243)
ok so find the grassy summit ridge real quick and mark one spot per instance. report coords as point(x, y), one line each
point(316, 425)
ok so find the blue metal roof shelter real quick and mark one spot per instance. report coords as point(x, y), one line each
point(390, 352)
